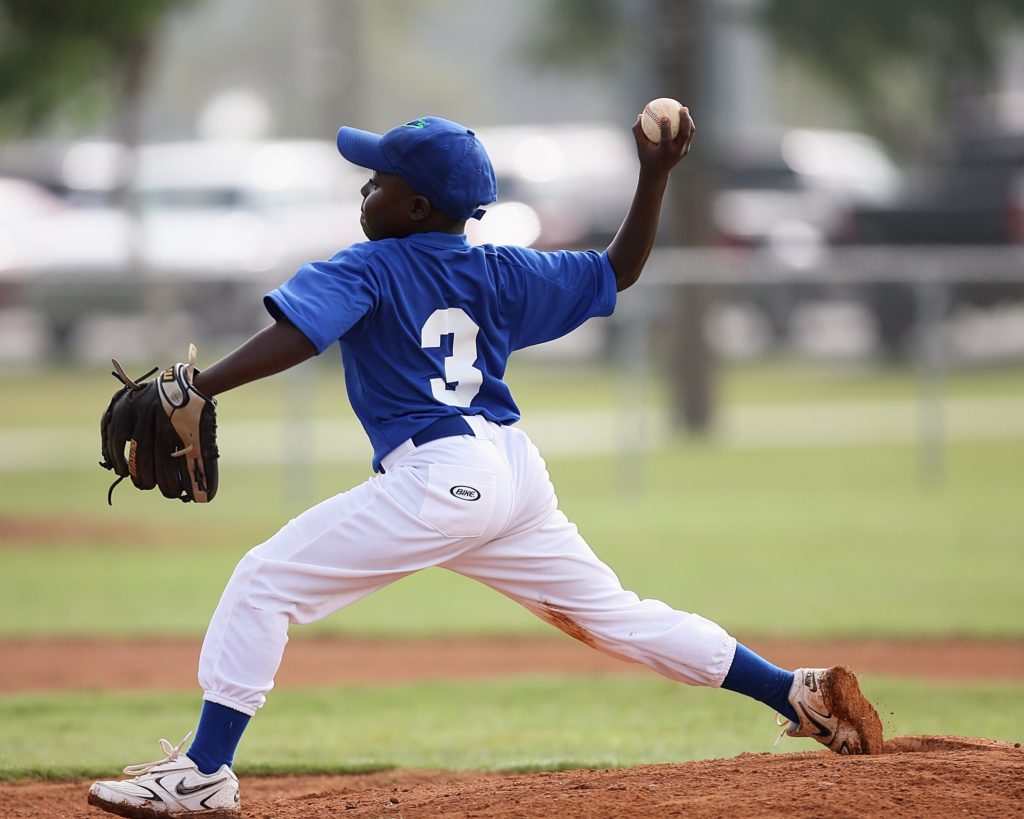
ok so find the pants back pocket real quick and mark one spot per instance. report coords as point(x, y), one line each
point(460, 499)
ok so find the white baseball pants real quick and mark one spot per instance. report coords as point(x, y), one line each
point(481, 506)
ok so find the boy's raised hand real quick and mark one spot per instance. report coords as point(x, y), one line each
point(631, 246)
point(661, 157)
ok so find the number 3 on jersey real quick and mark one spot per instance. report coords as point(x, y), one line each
point(458, 367)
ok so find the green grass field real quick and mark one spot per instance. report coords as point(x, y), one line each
point(753, 540)
point(818, 540)
point(535, 722)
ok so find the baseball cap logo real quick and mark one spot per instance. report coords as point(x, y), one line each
point(416, 123)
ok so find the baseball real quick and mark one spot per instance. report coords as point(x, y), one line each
point(657, 110)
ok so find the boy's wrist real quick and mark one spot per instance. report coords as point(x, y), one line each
point(197, 382)
point(655, 178)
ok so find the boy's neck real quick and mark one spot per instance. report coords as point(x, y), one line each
point(440, 226)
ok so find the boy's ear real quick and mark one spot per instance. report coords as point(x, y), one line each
point(421, 208)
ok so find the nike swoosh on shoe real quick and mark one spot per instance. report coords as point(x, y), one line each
point(810, 713)
point(181, 790)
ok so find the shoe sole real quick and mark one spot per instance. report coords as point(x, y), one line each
point(139, 812)
point(842, 694)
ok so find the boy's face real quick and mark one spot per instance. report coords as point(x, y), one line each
point(388, 203)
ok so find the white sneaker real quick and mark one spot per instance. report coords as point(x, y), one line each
point(170, 787)
point(833, 711)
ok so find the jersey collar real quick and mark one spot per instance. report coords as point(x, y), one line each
point(441, 240)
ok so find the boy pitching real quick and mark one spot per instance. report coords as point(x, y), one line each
point(425, 324)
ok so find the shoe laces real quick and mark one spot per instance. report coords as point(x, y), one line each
point(172, 752)
point(783, 722)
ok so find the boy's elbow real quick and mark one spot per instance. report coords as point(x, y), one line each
point(623, 282)
point(626, 274)
point(626, 271)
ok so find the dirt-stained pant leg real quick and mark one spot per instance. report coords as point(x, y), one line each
point(542, 562)
point(482, 506)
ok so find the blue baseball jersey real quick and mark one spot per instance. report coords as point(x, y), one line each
point(426, 323)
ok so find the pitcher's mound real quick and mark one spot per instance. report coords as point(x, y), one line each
point(910, 744)
point(916, 776)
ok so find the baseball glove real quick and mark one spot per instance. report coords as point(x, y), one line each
point(170, 429)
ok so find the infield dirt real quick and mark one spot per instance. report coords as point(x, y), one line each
point(946, 776)
point(915, 777)
point(168, 664)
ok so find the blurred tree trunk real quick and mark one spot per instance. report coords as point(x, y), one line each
point(680, 32)
point(133, 79)
point(333, 64)
point(133, 72)
point(133, 68)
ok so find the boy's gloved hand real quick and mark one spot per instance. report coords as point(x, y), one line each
point(170, 429)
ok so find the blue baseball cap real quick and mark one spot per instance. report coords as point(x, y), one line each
point(440, 159)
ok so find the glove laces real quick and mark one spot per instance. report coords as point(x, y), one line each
point(172, 753)
point(134, 385)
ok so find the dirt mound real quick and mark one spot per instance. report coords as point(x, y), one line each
point(917, 776)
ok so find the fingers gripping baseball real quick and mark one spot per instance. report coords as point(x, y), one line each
point(663, 132)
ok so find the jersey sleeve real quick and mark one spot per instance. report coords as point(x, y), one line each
point(555, 292)
point(326, 299)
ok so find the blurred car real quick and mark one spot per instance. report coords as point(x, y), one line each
point(792, 196)
point(203, 209)
point(82, 173)
point(799, 188)
point(239, 209)
point(41, 233)
point(559, 186)
point(241, 215)
point(971, 193)
point(22, 203)
point(55, 255)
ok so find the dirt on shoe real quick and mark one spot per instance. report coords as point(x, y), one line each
point(843, 696)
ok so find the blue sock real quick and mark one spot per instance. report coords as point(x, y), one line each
point(219, 732)
point(759, 679)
